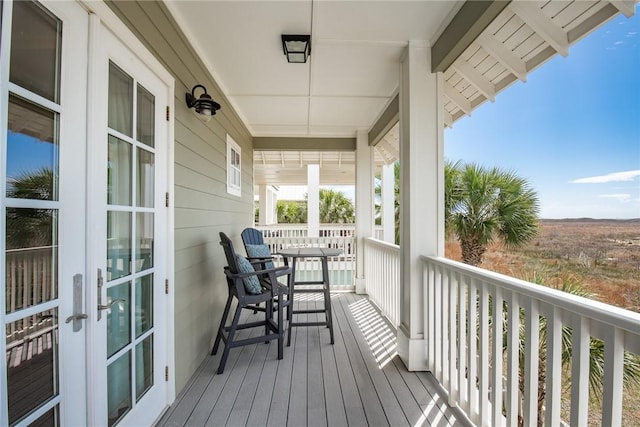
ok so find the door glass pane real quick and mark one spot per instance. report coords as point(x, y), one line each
point(32, 151)
point(118, 318)
point(32, 354)
point(119, 388)
point(144, 241)
point(144, 366)
point(146, 117)
point(119, 172)
point(36, 37)
point(31, 257)
point(120, 100)
point(144, 178)
point(51, 418)
point(118, 244)
point(144, 304)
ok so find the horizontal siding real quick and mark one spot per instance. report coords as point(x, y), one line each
point(202, 205)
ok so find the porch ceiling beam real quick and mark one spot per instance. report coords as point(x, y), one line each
point(476, 78)
point(533, 16)
point(626, 7)
point(457, 98)
point(471, 20)
point(510, 60)
point(303, 144)
point(386, 121)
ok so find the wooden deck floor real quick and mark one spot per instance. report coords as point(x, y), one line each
point(358, 381)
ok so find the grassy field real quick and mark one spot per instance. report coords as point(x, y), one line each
point(601, 255)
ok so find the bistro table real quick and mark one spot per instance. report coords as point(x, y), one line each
point(322, 254)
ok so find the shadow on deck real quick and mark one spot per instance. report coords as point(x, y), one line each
point(356, 382)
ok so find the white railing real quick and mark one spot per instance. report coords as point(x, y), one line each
point(30, 274)
point(325, 230)
point(341, 268)
point(468, 355)
point(382, 273)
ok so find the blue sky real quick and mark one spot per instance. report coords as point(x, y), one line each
point(572, 130)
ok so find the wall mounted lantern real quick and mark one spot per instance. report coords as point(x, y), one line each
point(205, 106)
point(296, 47)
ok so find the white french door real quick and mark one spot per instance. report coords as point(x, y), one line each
point(83, 222)
point(43, 211)
point(129, 234)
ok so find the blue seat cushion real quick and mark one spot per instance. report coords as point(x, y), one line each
point(251, 283)
point(259, 251)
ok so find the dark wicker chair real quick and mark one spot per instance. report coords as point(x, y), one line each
point(272, 294)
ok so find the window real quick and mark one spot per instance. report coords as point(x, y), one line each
point(233, 167)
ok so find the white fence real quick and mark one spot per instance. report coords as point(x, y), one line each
point(382, 273)
point(474, 322)
point(300, 230)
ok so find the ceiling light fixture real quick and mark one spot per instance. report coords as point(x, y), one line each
point(297, 47)
point(205, 106)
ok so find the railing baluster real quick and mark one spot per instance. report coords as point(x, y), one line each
point(444, 323)
point(453, 339)
point(580, 372)
point(496, 386)
point(483, 301)
point(531, 345)
point(613, 368)
point(463, 381)
point(554, 367)
point(513, 370)
point(473, 351)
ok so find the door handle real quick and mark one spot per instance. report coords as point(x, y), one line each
point(77, 315)
point(108, 305)
point(111, 304)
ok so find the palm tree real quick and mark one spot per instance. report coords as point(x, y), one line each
point(31, 227)
point(335, 207)
point(485, 205)
point(291, 212)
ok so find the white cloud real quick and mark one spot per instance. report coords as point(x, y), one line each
point(612, 177)
point(620, 197)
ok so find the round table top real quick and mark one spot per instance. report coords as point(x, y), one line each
point(309, 252)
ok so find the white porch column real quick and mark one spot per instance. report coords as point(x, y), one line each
point(364, 204)
point(263, 204)
point(421, 192)
point(313, 200)
point(388, 204)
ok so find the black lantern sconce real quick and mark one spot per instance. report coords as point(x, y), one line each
point(205, 106)
point(296, 47)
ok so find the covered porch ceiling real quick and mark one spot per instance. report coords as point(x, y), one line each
point(351, 81)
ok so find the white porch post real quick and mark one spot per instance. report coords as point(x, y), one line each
point(421, 193)
point(364, 204)
point(313, 200)
point(263, 204)
point(388, 204)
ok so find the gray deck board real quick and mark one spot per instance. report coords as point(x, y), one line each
point(359, 381)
